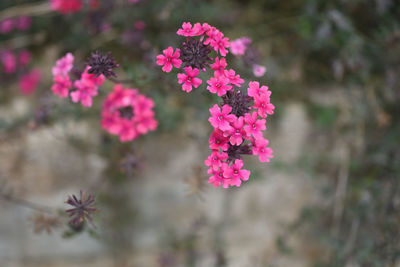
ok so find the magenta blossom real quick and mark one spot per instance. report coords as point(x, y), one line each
point(219, 84)
point(6, 25)
point(261, 149)
point(220, 43)
point(239, 46)
point(62, 85)
point(169, 59)
point(9, 62)
point(189, 79)
point(219, 65)
point(66, 6)
point(217, 140)
point(63, 65)
point(29, 82)
point(221, 119)
point(236, 174)
point(127, 113)
point(254, 126)
point(87, 88)
point(187, 30)
point(237, 134)
point(216, 159)
point(263, 105)
point(24, 57)
point(233, 77)
point(259, 70)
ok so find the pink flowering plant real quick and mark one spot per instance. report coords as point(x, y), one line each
point(125, 112)
point(240, 119)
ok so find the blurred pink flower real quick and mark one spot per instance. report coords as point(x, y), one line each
point(24, 57)
point(259, 70)
point(23, 23)
point(62, 85)
point(6, 25)
point(9, 62)
point(28, 82)
point(239, 46)
point(87, 88)
point(127, 113)
point(63, 65)
point(66, 6)
point(140, 25)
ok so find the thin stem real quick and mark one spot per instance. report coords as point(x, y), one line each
point(26, 203)
point(115, 80)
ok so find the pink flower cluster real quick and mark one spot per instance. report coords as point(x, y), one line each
point(17, 64)
point(240, 47)
point(127, 113)
point(195, 56)
point(28, 82)
point(239, 121)
point(21, 23)
point(236, 134)
point(85, 88)
point(66, 6)
point(11, 61)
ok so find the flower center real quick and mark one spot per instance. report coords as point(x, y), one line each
point(126, 112)
point(195, 54)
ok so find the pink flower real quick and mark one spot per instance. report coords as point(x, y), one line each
point(140, 25)
point(6, 25)
point(255, 89)
point(219, 84)
point(217, 140)
point(220, 119)
point(236, 173)
point(63, 65)
point(62, 85)
point(189, 79)
point(263, 104)
point(211, 33)
point(233, 77)
point(23, 23)
point(29, 82)
point(220, 43)
point(66, 6)
point(219, 65)
point(169, 59)
point(217, 177)
point(127, 113)
point(87, 88)
point(254, 126)
point(237, 133)
point(239, 46)
point(259, 70)
point(187, 30)
point(24, 58)
point(215, 160)
point(260, 148)
point(9, 62)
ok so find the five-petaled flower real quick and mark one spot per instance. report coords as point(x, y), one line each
point(169, 59)
point(188, 79)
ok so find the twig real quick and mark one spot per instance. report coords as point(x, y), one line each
point(114, 80)
point(26, 203)
point(26, 10)
point(341, 189)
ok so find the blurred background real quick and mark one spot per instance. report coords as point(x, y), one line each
point(330, 197)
